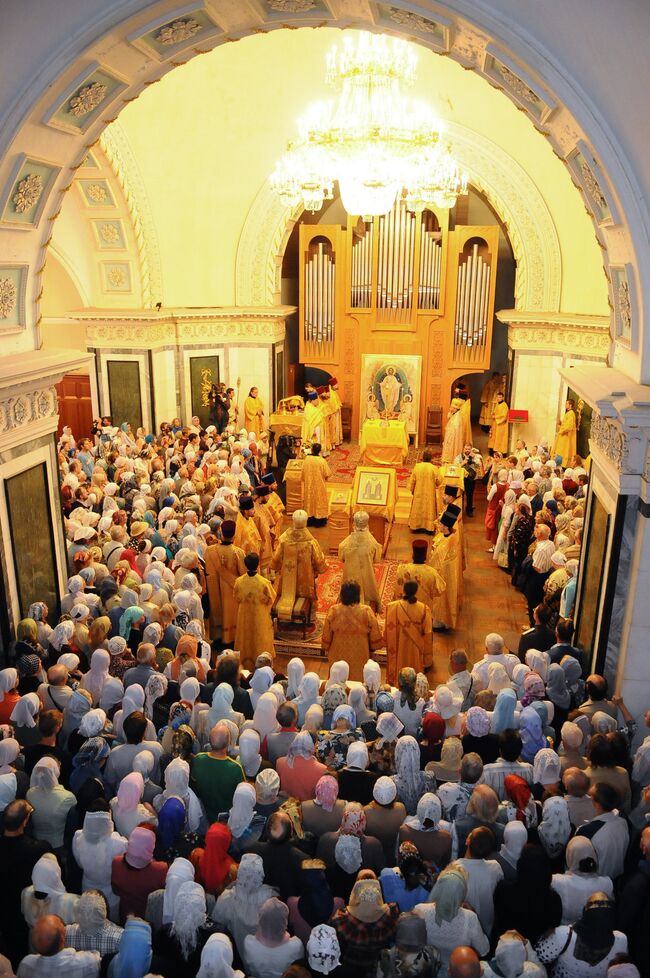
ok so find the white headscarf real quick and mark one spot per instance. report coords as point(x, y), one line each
point(216, 959)
point(323, 950)
point(92, 723)
point(243, 808)
point(25, 710)
point(515, 837)
point(510, 956)
point(547, 768)
point(357, 755)
point(9, 751)
point(302, 745)
point(249, 752)
point(264, 718)
point(261, 682)
point(144, 763)
point(181, 871)
point(97, 675)
point(62, 635)
point(555, 829)
point(46, 875)
point(389, 727)
point(189, 915)
point(372, 675)
point(8, 680)
point(221, 708)
point(295, 673)
point(45, 773)
point(156, 687)
point(339, 674)
point(94, 847)
point(112, 693)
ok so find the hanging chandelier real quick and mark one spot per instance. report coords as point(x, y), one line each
point(379, 144)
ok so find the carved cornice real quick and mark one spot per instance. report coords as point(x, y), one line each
point(141, 331)
point(557, 333)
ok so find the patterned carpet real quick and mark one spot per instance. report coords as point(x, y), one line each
point(345, 459)
point(290, 640)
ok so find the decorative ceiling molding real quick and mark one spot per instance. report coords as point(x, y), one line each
point(514, 196)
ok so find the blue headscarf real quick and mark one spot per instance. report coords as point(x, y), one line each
point(532, 735)
point(128, 617)
point(171, 820)
point(541, 710)
point(503, 717)
point(134, 956)
point(87, 760)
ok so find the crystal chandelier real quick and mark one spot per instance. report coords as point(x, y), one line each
point(375, 141)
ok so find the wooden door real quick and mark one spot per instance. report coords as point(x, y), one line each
point(75, 405)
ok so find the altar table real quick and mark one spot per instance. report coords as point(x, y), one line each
point(383, 443)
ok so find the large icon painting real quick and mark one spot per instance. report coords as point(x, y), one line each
point(390, 389)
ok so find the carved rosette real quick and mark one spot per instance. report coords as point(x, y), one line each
point(178, 31)
point(411, 21)
point(97, 193)
point(87, 99)
point(27, 192)
point(8, 297)
point(292, 6)
point(610, 439)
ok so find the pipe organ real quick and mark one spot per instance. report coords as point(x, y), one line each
point(403, 284)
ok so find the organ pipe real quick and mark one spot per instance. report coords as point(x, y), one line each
point(472, 305)
point(319, 298)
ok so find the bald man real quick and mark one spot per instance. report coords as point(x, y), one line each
point(52, 958)
point(464, 962)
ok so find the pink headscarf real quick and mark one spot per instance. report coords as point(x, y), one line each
point(130, 792)
point(326, 792)
point(534, 689)
point(142, 843)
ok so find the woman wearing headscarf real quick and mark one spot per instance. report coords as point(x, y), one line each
point(144, 763)
point(94, 846)
point(586, 949)
point(356, 782)
point(51, 802)
point(134, 956)
point(127, 807)
point(358, 700)
point(295, 675)
point(365, 927)
point(388, 729)
point(448, 923)
point(238, 906)
point(333, 697)
point(532, 735)
point(9, 695)
point(447, 769)
point(136, 874)
point(315, 904)
point(132, 702)
point(534, 689)
point(410, 781)
point(93, 931)
point(515, 837)
point(217, 958)
point(177, 785)
point(245, 825)
point(89, 762)
point(504, 716)
point(121, 657)
point(270, 950)
point(346, 851)
point(179, 943)
point(477, 738)
point(78, 705)
point(570, 749)
point(38, 612)
point(185, 657)
point(131, 626)
point(300, 770)
point(406, 705)
point(519, 804)
point(24, 720)
point(580, 879)
point(213, 865)
point(93, 681)
point(307, 695)
point(528, 904)
point(555, 828)
point(47, 894)
point(602, 767)
point(408, 883)
point(100, 629)
point(250, 757)
point(221, 708)
point(424, 829)
point(333, 744)
point(325, 812)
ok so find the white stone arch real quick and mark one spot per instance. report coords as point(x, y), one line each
point(482, 38)
point(509, 189)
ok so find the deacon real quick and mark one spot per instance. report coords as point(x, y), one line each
point(276, 505)
point(488, 394)
point(422, 483)
point(335, 398)
point(498, 440)
point(314, 475)
point(254, 412)
point(430, 584)
point(445, 558)
point(564, 447)
point(359, 553)
point(312, 422)
point(328, 427)
point(351, 631)
point(247, 536)
point(407, 634)
point(265, 523)
point(299, 560)
point(254, 596)
point(224, 563)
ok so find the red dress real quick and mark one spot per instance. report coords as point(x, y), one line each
point(493, 512)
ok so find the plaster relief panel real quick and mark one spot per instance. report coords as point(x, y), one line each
point(13, 282)
point(26, 192)
point(84, 100)
point(166, 37)
point(434, 33)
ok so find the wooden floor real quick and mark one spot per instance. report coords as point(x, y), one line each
point(490, 603)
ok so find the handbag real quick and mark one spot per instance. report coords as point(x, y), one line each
point(502, 560)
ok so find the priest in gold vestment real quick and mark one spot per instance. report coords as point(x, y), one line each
point(299, 560)
point(313, 419)
point(265, 522)
point(458, 430)
point(422, 483)
point(408, 634)
point(359, 553)
point(498, 440)
point(445, 557)
point(254, 412)
point(430, 583)
point(565, 439)
point(314, 475)
point(351, 631)
point(224, 563)
point(247, 536)
point(335, 398)
point(254, 596)
point(276, 505)
point(488, 394)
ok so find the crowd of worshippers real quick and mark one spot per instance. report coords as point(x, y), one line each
point(167, 812)
point(534, 523)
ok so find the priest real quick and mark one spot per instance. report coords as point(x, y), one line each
point(498, 440)
point(247, 536)
point(430, 583)
point(265, 523)
point(359, 553)
point(564, 447)
point(445, 557)
point(313, 419)
point(422, 483)
point(407, 633)
point(488, 394)
point(224, 563)
point(335, 398)
point(299, 560)
point(314, 475)
point(254, 596)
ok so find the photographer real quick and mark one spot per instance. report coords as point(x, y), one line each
point(471, 462)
